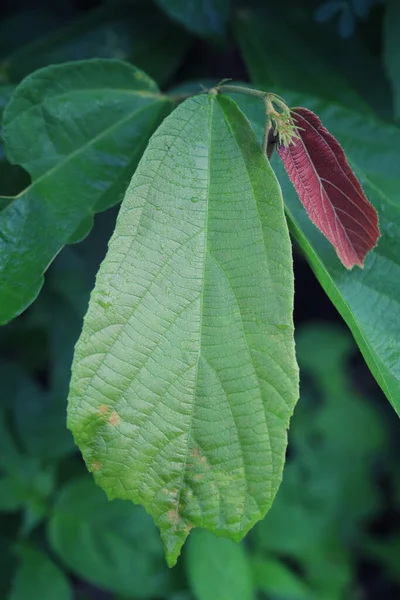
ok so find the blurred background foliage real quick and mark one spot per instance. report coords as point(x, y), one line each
point(333, 532)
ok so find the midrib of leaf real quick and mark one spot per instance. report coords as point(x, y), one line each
point(258, 384)
point(65, 161)
point(208, 252)
point(323, 140)
point(254, 196)
point(82, 148)
point(184, 467)
point(233, 293)
point(323, 195)
point(89, 91)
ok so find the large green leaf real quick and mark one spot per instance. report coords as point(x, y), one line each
point(218, 569)
point(184, 378)
point(79, 129)
point(138, 33)
point(38, 577)
point(284, 47)
point(114, 545)
point(368, 299)
point(392, 49)
point(204, 17)
point(39, 419)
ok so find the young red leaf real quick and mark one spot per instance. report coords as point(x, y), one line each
point(329, 190)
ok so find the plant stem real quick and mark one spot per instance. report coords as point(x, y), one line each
point(240, 89)
point(279, 120)
point(268, 126)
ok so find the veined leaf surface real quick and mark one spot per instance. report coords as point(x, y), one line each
point(79, 129)
point(184, 378)
point(329, 190)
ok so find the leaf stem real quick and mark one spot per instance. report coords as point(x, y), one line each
point(279, 120)
point(240, 89)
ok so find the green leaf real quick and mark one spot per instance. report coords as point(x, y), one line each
point(276, 579)
point(392, 50)
point(283, 47)
point(40, 421)
point(368, 299)
point(113, 545)
point(184, 378)
point(218, 569)
point(38, 577)
point(27, 486)
point(12, 178)
point(137, 33)
point(79, 129)
point(203, 17)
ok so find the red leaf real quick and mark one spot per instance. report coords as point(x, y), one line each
point(329, 190)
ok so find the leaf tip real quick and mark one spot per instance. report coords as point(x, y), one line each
point(174, 532)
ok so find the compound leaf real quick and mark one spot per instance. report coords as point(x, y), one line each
point(184, 378)
point(79, 129)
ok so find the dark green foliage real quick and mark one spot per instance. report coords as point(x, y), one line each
point(71, 139)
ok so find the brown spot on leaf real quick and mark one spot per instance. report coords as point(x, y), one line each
point(195, 452)
point(96, 466)
point(114, 419)
point(170, 495)
point(103, 410)
point(174, 517)
point(198, 460)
